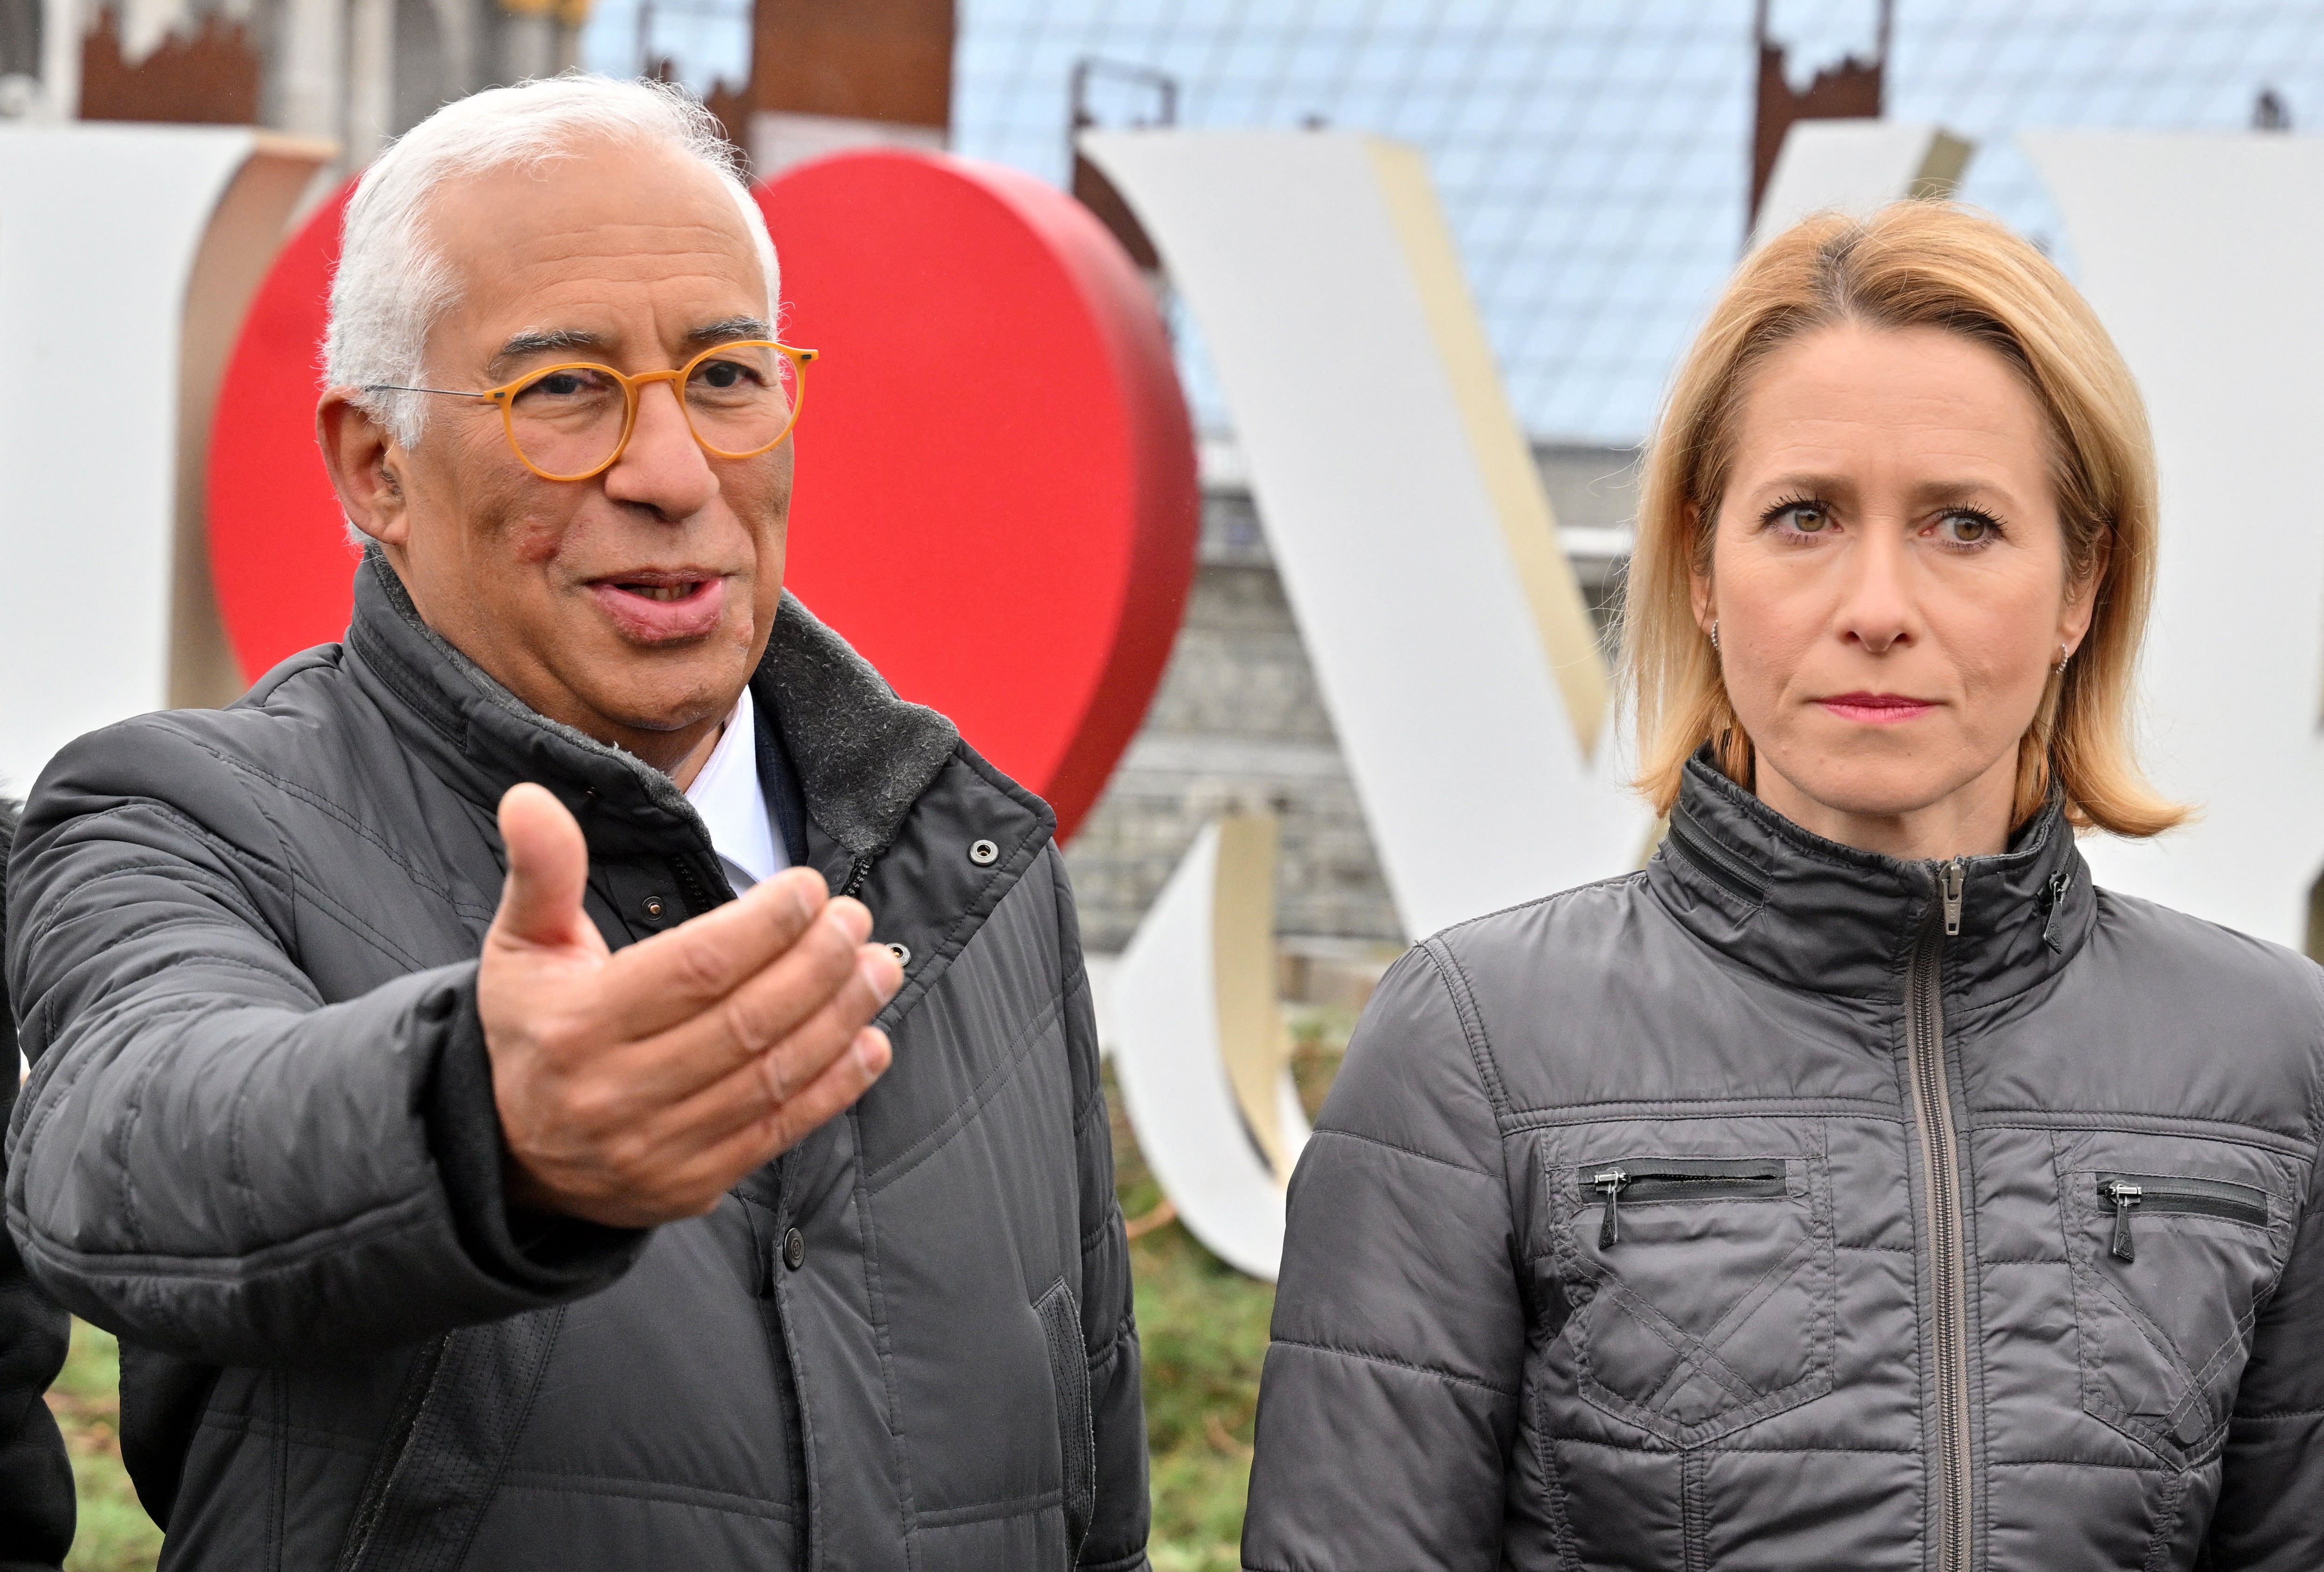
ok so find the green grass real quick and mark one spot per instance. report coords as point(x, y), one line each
point(1203, 1330)
point(114, 1534)
point(1204, 1327)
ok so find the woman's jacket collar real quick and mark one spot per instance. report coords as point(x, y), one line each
point(1826, 918)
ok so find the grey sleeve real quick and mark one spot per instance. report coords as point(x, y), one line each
point(36, 1482)
point(1120, 1519)
point(1388, 1407)
point(208, 1157)
point(2272, 1476)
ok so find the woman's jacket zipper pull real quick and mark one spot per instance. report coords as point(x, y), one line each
point(2126, 1198)
point(1949, 885)
point(1608, 1182)
point(2059, 885)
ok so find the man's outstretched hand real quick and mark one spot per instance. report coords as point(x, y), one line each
point(635, 1087)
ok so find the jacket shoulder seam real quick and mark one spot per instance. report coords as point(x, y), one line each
point(1635, 876)
point(1457, 991)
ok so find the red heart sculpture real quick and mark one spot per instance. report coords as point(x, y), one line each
point(996, 499)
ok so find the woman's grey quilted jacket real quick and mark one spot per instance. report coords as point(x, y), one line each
point(1787, 1207)
point(259, 1142)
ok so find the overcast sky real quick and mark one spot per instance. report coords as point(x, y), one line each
point(1593, 157)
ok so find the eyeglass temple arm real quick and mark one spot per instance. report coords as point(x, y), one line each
point(448, 392)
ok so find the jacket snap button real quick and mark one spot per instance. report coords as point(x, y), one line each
point(653, 906)
point(794, 1249)
point(984, 854)
point(902, 952)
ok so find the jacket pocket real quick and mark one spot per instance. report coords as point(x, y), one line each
point(1061, 1325)
point(1710, 1284)
point(2173, 1244)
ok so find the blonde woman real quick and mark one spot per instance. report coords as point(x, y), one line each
point(1856, 1187)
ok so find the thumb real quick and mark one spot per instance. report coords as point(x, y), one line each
point(548, 868)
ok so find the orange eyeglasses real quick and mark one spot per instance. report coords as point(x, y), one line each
point(572, 422)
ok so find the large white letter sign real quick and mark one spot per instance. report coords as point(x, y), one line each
point(2204, 255)
point(1447, 633)
point(1415, 545)
point(1204, 1070)
point(1857, 166)
point(127, 255)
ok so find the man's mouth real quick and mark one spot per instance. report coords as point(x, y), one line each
point(661, 607)
point(676, 592)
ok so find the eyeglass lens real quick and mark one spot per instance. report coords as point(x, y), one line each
point(740, 400)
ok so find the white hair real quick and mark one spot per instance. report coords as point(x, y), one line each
point(392, 283)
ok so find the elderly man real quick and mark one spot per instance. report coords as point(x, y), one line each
point(474, 1180)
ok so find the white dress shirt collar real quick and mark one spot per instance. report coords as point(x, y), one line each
point(734, 807)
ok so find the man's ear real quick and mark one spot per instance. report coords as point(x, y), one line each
point(365, 465)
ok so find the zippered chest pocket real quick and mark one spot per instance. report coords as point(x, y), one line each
point(2166, 1195)
point(2170, 1257)
point(1709, 1284)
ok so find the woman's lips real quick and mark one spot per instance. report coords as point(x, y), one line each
point(660, 608)
point(1877, 709)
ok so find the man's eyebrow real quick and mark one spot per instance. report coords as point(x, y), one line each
point(730, 329)
point(547, 341)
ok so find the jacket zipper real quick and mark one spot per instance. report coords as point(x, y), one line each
point(1657, 1179)
point(1941, 1220)
point(418, 1383)
point(2055, 897)
point(1729, 872)
point(2124, 1194)
point(857, 872)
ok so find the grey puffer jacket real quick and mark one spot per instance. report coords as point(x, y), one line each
point(1784, 1205)
point(259, 1143)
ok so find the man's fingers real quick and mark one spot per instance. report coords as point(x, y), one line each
point(547, 869)
point(796, 1013)
point(672, 977)
point(778, 1005)
point(741, 1145)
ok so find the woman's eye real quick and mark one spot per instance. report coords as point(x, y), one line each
point(1966, 528)
point(1806, 518)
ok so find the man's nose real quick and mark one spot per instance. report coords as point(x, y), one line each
point(1876, 605)
point(663, 468)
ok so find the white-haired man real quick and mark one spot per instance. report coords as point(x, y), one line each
point(475, 1178)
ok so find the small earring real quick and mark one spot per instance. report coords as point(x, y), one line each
point(2064, 655)
point(1714, 634)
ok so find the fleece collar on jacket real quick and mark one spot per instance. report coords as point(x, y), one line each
point(863, 756)
point(1827, 918)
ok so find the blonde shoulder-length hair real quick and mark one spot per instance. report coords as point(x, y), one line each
point(1911, 264)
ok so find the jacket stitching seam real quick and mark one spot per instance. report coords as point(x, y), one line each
point(60, 912)
point(972, 1514)
point(644, 1490)
point(1096, 1235)
point(950, 1126)
point(358, 1228)
point(1124, 1329)
point(875, 1297)
point(347, 820)
point(2243, 1134)
point(1455, 982)
point(1430, 1370)
point(1347, 1134)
